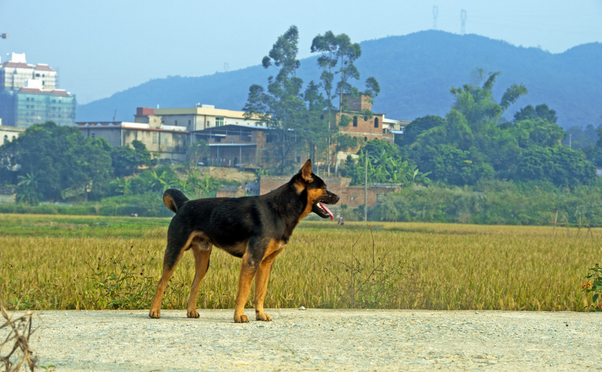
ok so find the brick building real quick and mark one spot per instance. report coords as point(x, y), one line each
point(361, 124)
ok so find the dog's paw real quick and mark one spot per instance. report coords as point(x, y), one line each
point(241, 318)
point(192, 313)
point(263, 317)
point(155, 314)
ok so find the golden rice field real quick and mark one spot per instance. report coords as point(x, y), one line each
point(61, 262)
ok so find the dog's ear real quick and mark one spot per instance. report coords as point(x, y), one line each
point(306, 171)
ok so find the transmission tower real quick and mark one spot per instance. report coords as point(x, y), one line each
point(435, 14)
point(226, 66)
point(463, 19)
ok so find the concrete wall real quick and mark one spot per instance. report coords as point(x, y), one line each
point(351, 196)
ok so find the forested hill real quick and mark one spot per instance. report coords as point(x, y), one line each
point(415, 73)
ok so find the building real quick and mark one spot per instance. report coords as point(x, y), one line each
point(199, 117)
point(165, 142)
point(8, 134)
point(237, 145)
point(360, 123)
point(233, 140)
point(15, 73)
point(29, 95)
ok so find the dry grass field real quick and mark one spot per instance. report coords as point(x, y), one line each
point(61, 262)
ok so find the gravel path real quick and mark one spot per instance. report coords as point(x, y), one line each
point(316, 340)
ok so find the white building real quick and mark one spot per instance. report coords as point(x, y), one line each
point(199, 117)
point(8, 134)
point(15, 72)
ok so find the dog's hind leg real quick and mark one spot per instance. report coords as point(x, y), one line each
point(173, 254)
point(261, 284)
point(201, 265)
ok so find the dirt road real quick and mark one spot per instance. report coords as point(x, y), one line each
point(316, 340)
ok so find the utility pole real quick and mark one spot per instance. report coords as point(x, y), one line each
point(366, 187)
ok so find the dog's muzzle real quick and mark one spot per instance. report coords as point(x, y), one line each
point(320, 208)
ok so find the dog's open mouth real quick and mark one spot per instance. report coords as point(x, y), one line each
point(322, 211)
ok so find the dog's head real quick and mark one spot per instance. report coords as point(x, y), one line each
point(317, 194)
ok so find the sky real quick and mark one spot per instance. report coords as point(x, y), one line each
point(103, 47)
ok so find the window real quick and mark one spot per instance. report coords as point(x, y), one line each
point(155, 138)
point(189, 122)
point(375, 122)
point(219, 122)
point(355, 121)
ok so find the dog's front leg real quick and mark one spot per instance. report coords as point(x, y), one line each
point(247, 272)
point(261, 284)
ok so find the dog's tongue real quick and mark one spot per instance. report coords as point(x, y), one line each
point(327, 210)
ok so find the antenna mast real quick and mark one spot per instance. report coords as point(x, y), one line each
point(463, 19)
point(435, 14)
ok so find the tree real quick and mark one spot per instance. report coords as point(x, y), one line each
point(477, 103)
point(385, 165)
point(540, 111)
point(27, 189)
point(281, 106)
point(297, 115)
point(197, 151)
point(127, 159)
point(338, 56)
point(64, 161)
point(472, 143)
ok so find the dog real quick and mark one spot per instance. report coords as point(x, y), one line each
point(254, 228)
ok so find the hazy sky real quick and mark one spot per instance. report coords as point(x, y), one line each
point(102, 47)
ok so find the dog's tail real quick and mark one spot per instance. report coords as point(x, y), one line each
point(174, 199)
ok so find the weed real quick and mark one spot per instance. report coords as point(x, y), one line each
point(117, 283)
point(594, 287)
point(368, 285)
point(17, 340)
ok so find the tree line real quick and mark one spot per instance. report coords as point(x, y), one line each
point(57, 163)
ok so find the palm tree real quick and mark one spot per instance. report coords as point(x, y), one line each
point(28, 189)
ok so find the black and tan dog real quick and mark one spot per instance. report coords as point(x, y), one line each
point(255, 228)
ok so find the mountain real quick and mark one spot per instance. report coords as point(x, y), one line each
point(415, 73)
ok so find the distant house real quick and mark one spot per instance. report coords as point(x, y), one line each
point(170, 143)
point(200, 117)
point(361, 124)
point(233, 140)
point(8, 133)
point(235, 145)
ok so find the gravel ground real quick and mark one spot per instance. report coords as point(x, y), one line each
point(316, 340)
